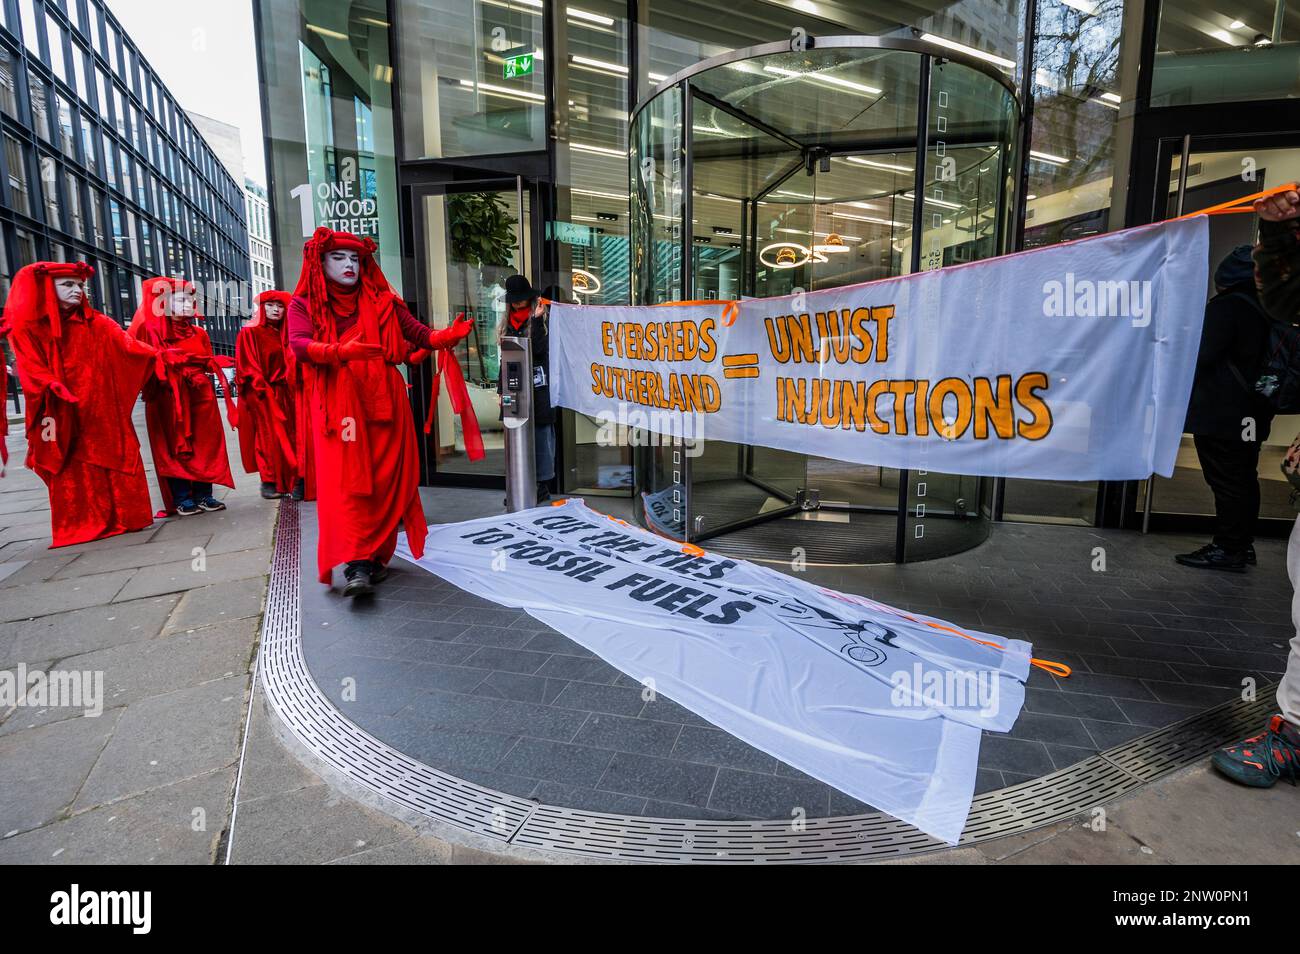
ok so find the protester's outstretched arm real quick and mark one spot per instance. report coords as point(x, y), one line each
point(1277, 256)
point(440, 338)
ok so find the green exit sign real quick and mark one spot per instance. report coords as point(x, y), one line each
point(521, 64)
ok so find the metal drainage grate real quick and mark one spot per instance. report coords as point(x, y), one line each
point(308, 713)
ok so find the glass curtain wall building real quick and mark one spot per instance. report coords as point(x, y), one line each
point(100, 163)
point(473, 138)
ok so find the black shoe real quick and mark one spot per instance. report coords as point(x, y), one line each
point(358, 579)
point(1250, 556)
point(543, 492)
point(186, 508)
point(299, 490)
point(1214, 557)
point(269, 492)
point(211, 504)
point(378, 572)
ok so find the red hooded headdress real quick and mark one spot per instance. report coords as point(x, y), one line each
point(274, 295)
point(152, 313)
point(326, 301)
point(32, 298)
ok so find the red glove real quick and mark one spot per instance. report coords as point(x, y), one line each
point(450, 337)
point(321, 353)
point(60, 391)
point(359, 351)
point(419, 356)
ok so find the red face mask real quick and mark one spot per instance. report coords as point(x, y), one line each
point(519, 315)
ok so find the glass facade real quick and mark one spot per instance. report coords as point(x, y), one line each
point(110, 170)
point(327, 95)
point(420, 112)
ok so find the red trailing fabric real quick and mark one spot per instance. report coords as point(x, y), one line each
point(458, 397)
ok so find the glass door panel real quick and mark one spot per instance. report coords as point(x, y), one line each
point(473, 239)
point(1213, 177)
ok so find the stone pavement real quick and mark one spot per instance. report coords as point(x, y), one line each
point(152, 778)
point(170, 617)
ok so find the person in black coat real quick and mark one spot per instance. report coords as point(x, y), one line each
point(528, 313)
point(1226, 418)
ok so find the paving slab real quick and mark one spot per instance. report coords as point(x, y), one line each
point(223, 602)
point(44, 769)
point(200, 569)
point(165, 739)
point(177, 824)
point(37, 599)
point(60, 635)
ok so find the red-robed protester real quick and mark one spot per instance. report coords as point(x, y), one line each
point(81, 374)
point(266, 404)
point(185, 432)
point(351, 331)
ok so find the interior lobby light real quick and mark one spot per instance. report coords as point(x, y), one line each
point(603, 66)
point(874, 220)
point(969, 50)
point(601, 195)
point(1236, 25)
point(824, 80)
point(600, 150)
point(834, 244)
point(585, 282)
point(333, 34)
point(788, 255)
point(1222, 36)
point(874, 164)
point(574, 13)
point(656, 77)
point(502, 91)
point(1111, 97)
point(1048, 157)
point(1083, 6)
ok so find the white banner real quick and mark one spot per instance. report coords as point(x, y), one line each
point(884, 705)
point(1072, 362)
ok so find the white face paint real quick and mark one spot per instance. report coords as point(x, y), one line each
point(273, 310)
point(181, 304)
point(71, 292)
point(342, 267)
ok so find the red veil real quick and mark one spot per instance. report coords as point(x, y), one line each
point(267, 428)
point(185, 430)
point(84, 446)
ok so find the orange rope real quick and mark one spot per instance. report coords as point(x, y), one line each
point(730, 307)
point(1230, 207)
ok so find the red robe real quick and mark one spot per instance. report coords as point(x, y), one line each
point(185, 432)
point(368, 470)
point(266, 406)
point(86, 452)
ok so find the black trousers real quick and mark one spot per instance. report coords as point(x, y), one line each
point(1231, 468)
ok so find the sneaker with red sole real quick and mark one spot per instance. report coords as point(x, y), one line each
point(1262, 759)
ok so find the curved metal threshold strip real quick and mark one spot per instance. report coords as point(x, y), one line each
point(513, 821)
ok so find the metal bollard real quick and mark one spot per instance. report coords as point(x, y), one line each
point(517, 416)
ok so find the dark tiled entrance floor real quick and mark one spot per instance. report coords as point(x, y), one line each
point(491, 695)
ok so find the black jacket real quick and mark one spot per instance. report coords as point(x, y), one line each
point(1233, 340)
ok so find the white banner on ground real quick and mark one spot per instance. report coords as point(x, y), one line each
point(1072, 362)
point(884, 705)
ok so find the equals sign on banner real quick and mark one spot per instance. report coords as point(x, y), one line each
point(740, 365)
